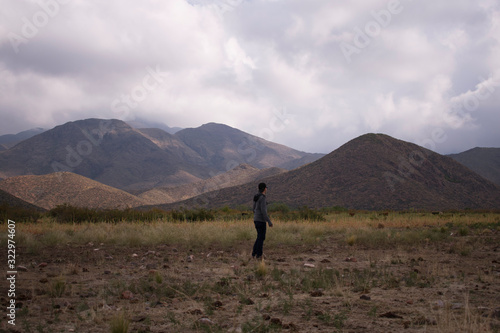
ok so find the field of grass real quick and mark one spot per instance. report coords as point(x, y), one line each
point(368, 229)
point(345, 272)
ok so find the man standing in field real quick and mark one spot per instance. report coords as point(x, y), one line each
point(260, 219)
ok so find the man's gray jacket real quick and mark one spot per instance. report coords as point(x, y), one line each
point(260, 209)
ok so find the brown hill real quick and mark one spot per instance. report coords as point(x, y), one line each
point(373, 172)
point(483, 161)
point(48, 191)
point(224, 147)
point(108, 151)
point(8, 200)
point(115, 154)
point(240, 175)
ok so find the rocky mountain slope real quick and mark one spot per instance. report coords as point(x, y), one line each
point(483, 161)
point(374, 172)
point(115, 154)
point(49, 191)
point(10, 201)
point(9, 140)
point(241, 174)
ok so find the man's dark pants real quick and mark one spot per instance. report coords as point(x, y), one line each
point(259, 242)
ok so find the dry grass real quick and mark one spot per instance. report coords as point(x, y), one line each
point(399, 264)
point(368, 229)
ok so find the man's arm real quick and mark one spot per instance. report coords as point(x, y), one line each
point(263, 209)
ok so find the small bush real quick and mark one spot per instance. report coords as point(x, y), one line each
point(261, 269)
point(278, 207)
point(18, 214)
point(57, 287)
point(119, 324)
point(69, 214)
point(193, 215)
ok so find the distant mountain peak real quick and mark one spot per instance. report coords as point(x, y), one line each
point(112, 152)
point(375, 172)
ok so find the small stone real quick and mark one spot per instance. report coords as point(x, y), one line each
point(205, 321)
point(190, 258)
point(317, 292)
point(127, 294)
point(135, 255)
point(276, 321)
point(138, 318)
point(247, 301)
point(390, 314)
point(309, 265)
point(195, 312)
point(42, 265)
point(22, 268)
point(439, 304)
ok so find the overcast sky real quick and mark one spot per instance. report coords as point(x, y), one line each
point(310, 74)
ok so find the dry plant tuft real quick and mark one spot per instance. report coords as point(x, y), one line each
point(261, 269)
point(57, 287)
point(119, 323)
point(466, 319)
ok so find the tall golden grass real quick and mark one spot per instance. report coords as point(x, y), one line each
point(369, 229)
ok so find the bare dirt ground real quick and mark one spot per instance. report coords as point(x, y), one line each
point(330, 287)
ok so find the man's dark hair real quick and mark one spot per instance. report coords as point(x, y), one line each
point(262, 187)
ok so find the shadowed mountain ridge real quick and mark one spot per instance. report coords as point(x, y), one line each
point(374, 172)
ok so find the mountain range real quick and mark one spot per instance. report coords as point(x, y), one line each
point(115, 154)
point(372, 172)
point(108, 164)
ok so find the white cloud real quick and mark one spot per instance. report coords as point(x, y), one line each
point(237, 62)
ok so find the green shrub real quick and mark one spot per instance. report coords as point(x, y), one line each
point(200, 214)
point(278, 207)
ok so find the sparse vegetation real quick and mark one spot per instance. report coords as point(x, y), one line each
point(339, 274)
